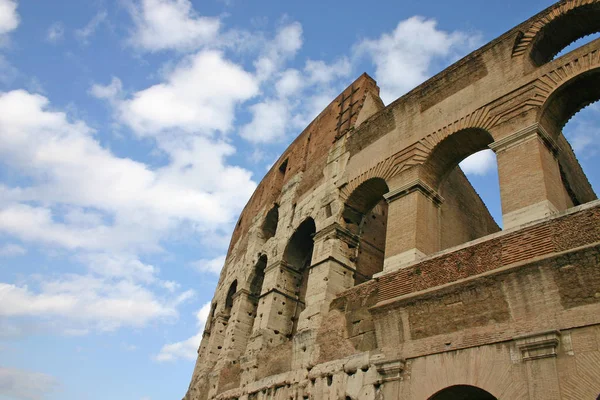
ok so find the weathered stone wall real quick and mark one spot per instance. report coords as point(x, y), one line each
point(403, 285)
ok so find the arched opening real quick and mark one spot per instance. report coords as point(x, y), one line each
point(571, 109)
point(256, 283)
point(564, 30)
point(365, 215)
point(258, 276)
point(269, 227)
point(464, 172)
point(298, 256)
point(229, 299)
point(462, 392)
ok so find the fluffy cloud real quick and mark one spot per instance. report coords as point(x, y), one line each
point(212, 266)
point(200, 95)
point(25, 385)
point(404, 58)
point(283, 47)
point(480, 163)
point(81, 301)
point(269, 121)
point(186, 349)
point(115, 202)
point(9, 19)
point(170, 24)
point(105, 210)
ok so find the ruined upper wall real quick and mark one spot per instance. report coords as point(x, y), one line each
point(308, 152)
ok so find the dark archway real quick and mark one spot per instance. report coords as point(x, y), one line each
point(298, 256)
point(269, 227)
point(229, 299)
point(462, 392)
point(365, 215)
point(564, 30)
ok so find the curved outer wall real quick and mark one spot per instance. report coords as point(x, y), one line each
point(384, 275)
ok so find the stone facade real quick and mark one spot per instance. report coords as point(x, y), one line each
point(365, 266)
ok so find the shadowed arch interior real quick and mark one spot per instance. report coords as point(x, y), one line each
point(564, 30)
point(365, 215)
point(462, 392)
point(230, 293)
point(451, 151)
point(298, 256)
point(570, 98)
point(269, 227)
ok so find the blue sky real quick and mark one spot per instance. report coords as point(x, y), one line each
point(132, 133)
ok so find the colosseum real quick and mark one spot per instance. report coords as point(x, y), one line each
point(365, 265)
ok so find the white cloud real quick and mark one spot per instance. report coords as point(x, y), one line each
point(289, 83)
point(269, 121)
point(480, 163)
point(109, 92)
point(212, 266)
point(404, 57)
point(12, 250)
point(91, 27)
point(115, 203)
point(283, 47)
point(56, 32)
point(321, 72)
point(171, 24)
point(9, 19)
point(81, 301)
point(200, 95)
point(26, 385)
point(186, 349)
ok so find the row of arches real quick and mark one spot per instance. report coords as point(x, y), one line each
point(366, 213)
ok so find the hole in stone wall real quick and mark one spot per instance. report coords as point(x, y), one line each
point(269, 227)
point(283, 166)
point(329, 380)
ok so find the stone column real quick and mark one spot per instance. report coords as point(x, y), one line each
point(331, 272)
point(216, 338)
point(239, 326)
point(278, 303)
point(413, 224)
point(530, 182)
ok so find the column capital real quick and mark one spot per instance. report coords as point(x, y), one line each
point(336, 231)
point(532, 131)
point(416, 185)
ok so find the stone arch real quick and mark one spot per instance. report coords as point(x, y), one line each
point(560, 26)
point(365, 215)
point(568, 98)
point(297, 257)
point(269, 227)
point(258, 276)
point(462, 214)
point(462, 392)
point(447, 154)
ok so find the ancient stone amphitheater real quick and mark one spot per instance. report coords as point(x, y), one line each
point(365, 266)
